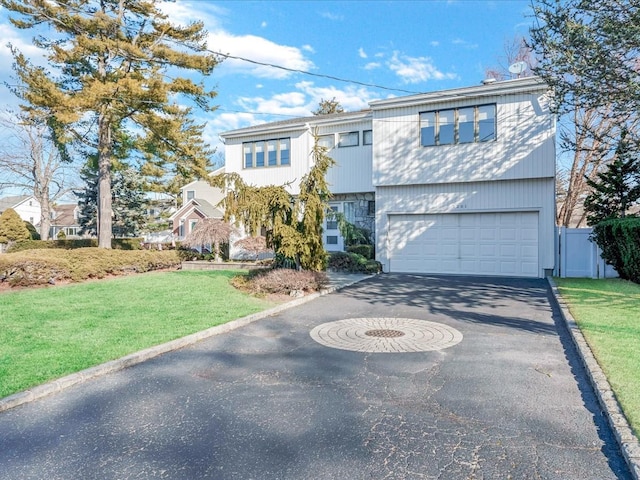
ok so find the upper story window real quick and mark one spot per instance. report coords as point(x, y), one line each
point(348, 139)
point(191, 194)
point(458, 125)
point(327, 141)
point(367, 137)
point(268, 153)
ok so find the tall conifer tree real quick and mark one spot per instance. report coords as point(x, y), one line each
point(115, 67)
point(618, 187)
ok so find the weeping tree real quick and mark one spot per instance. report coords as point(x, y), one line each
point(253, 245)
point(210, 231)
point(114, 66)
point(293, 224)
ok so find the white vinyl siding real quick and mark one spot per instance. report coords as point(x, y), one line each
point(524, 145)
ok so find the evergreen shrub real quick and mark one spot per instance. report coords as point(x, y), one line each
point(352, 263)
point(39, 267)
point(367, 251)
point(72, 244)
point(619, 240)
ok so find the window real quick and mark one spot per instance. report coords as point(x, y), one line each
point(446, 127)
point(371, 208)
point(192, 225)
point(269, 153)
point(327, 141)
point(259, 151)
point(332, 219)
point(272, 153)
point(349, 211)
point(191, 194)
point(367, 137)
point(486, 123)
point(428, 129)
point(459, 125)
point(349, 139)
point(283, 143)
point(466, 125)
point(332, 240)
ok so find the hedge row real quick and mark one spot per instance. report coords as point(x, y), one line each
point(352, 263)
point(619, 240)
point(39, 267)
point(116, 243)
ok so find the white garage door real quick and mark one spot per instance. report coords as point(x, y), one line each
point(465, 243)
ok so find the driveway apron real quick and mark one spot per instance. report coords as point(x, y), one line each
point(494, 391)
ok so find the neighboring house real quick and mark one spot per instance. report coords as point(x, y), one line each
point(199, 200)
point(459, 181)
point(64, 218)
point(26, 206)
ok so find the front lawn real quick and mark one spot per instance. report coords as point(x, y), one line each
point(47, 333)
point(608, 313)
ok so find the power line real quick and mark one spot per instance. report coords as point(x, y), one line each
point(306, 72)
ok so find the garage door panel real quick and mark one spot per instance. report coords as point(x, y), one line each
point(503, 243)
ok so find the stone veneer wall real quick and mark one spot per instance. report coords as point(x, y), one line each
point(362, 218)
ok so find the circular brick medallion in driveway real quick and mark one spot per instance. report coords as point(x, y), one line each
point(386, 335)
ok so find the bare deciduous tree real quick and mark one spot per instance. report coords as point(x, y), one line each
point(29, 161)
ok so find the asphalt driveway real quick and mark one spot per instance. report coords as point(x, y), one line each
point(509, 401)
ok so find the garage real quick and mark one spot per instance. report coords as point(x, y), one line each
point(494, 243)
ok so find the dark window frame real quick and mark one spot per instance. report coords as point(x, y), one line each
point(348, 134)
point(250, 154)
point(434, 138)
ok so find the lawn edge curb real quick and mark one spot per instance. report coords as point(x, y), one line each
point(55, 386)
point(627, 441)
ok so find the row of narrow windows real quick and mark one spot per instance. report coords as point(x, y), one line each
point(450, 126)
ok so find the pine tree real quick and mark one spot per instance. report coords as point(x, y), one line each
point(128, 200)
point(113, 72)
point(327, 107)
point(12, 227)
point(616, 188)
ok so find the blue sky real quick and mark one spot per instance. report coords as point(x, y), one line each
point(412, 46)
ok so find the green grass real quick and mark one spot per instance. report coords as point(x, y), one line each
point(47, 333)
point(608, 313)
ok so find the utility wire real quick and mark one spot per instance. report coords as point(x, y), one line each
point(306, 72)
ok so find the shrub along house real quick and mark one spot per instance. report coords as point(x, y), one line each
point(459, 181)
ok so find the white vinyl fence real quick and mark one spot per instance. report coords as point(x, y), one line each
point(578, 256)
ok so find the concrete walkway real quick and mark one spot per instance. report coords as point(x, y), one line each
point(510, 399)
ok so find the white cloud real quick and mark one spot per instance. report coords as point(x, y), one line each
point(372, 65)
point(352, 98)
point(9, 34)
point(416, 69)
point(464, 43)
point(184, 12)
point(332, 16)
point(308, 48)
point(362, 53)
point(298, 103)
point(434, 43)
point(263, 24)
point(259, 49)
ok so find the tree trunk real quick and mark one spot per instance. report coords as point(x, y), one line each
point(105, 211)
point(45, 217)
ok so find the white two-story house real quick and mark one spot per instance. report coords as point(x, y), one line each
point(453, 182)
